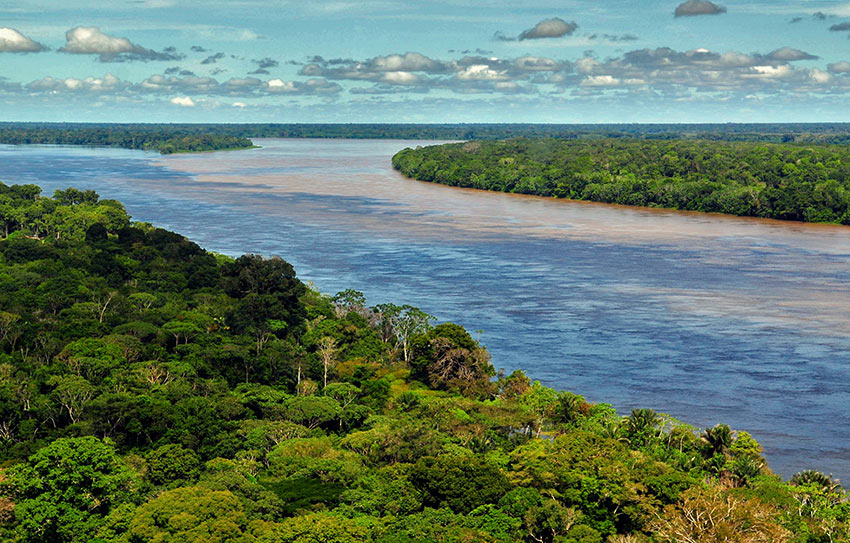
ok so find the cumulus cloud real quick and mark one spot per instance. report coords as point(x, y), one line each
point(314, 86)
point(698, 7)
point(549, 28)
point(482, 72)
point(842, 67)
point(788, 54)
point(840, 27)
point(415, 73)
point(665, 71)
point(198, 49)
point(193, 84)
point(106, 84)
point(820, 76)
point(89, 40)
point(600, 81)
point(235, 87)
point(183, 101)
point(12, 41)
point(661, 71)
point(375, 69)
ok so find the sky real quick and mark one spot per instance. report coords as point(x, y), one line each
point(436, 61)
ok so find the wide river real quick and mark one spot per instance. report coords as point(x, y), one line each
point(708, 318)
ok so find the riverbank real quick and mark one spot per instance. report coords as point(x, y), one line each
point(778, 181)
point(706, 317)
point(256, 408)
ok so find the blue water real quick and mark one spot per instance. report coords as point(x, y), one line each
point(707, 318)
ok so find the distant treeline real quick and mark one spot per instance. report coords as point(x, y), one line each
point(165, 139)
point(156, 133)
point(778, 181)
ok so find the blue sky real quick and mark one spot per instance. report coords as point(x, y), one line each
point(569, 61)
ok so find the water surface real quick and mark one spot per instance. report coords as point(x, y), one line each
point(708, 318)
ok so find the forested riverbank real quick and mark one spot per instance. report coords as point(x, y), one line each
point(150, 390)
point(777, 181)
point(168, 138)
point(165, 139)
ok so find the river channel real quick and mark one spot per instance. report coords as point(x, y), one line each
point(708, 318)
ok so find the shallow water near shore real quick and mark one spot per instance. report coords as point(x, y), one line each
point(708, 318)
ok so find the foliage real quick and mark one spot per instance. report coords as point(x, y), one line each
point(166, 139)
point(778, 181)
point(152, 391)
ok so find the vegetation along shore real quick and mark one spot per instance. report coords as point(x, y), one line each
point(798, 182)
point(153, 391)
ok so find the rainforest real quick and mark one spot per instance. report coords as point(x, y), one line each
point(153, 391)
point(798, 182)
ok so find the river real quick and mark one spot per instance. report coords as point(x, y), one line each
point(708, 318)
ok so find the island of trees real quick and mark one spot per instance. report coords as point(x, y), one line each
point(778, 181)
point(165, 139)
point(151, 391)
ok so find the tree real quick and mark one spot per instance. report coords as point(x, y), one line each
point(189, 514)
point(718, 438)
point(411, 321)
point(349, 300)
point(640, 427)
point(311, 411)
point(73, 393)
point(325, 528)
point(346, 394)
point(172, 462)
point(708, 515)
point(327, 352)
point(64, 491)
point(459, 483)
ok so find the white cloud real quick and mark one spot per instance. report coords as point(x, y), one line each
point(481, 72)
point(409, 62)
point(819, 76)
point(239, 104)
point(89, 40)
point(586, 65)
point(311, 86)
point(12, 41)
point(184, 101)
point(401, 78)
point(601, 81)
point(107, 83)
point(771, 72)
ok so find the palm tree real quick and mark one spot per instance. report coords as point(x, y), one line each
point(718, 438)
point(640, 426)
